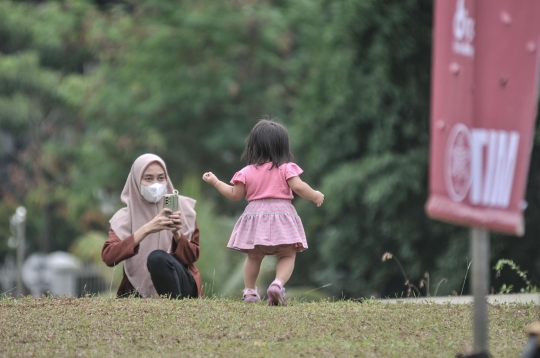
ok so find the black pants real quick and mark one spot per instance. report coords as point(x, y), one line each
point(170, 277)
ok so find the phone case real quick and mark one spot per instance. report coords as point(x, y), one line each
point(170, 201)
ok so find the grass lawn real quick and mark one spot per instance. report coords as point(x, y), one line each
point(104, 327)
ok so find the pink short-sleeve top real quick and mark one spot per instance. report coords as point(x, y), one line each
point(261, 182)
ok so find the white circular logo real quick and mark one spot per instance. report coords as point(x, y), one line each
point(463, 24)
point(457, 166)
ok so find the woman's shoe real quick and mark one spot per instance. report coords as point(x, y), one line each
point(276, 293)
point(251, 295)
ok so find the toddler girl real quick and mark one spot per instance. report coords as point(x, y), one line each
point(269, 224)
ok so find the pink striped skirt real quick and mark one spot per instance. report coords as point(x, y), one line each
point(268, 223)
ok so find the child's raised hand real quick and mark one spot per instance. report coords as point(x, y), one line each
point(319, 198)
point(210, 178)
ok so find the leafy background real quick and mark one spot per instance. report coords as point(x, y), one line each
point(87, 86)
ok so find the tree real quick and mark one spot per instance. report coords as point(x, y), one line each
point(189, 80)
point(86, 89)
point(362, 122)
point(42, 56)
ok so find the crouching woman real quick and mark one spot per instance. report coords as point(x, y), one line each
point(158, 252)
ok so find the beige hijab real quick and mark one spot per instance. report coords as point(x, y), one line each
point(138, 212)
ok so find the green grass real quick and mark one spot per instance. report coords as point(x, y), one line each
point(104, 327)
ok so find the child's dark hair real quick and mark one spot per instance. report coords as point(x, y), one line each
point(268, 142)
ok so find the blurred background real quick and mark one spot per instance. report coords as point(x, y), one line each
point(86, 86)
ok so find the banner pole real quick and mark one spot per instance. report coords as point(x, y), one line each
point(479, 245)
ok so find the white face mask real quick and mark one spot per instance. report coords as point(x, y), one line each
point(153, 193)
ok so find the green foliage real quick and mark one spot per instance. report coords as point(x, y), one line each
point(85, 90)
point(361, 125)
point(529, 287)
point(88, 248)
point(42, 53)
point(189, 80)
point(506, 289)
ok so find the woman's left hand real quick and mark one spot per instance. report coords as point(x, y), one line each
point(176, 218)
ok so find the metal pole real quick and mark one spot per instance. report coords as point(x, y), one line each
point(20, 219)
point(479, 285)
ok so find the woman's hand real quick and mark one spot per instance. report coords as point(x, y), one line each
point(210, 178)
point(160, 222)
point(176, 218)
point(319, 198)
point(157, 224)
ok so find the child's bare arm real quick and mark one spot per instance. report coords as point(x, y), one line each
point(305, 191)
point(235, 192)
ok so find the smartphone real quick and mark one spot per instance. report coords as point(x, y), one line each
point(170, 201)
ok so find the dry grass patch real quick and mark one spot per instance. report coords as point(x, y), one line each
point(104, 327)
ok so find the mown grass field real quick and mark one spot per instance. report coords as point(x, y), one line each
point(105, 327)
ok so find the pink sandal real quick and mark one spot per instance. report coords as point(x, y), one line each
point(251, 295)
point(276, 293)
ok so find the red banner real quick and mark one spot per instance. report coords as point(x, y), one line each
point(483, 105)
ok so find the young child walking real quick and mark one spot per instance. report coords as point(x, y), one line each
point(269, 224)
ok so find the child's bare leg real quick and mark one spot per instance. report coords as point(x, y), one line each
point(285, 265)
point(252, 266)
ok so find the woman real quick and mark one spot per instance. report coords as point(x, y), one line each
point(158, 252)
